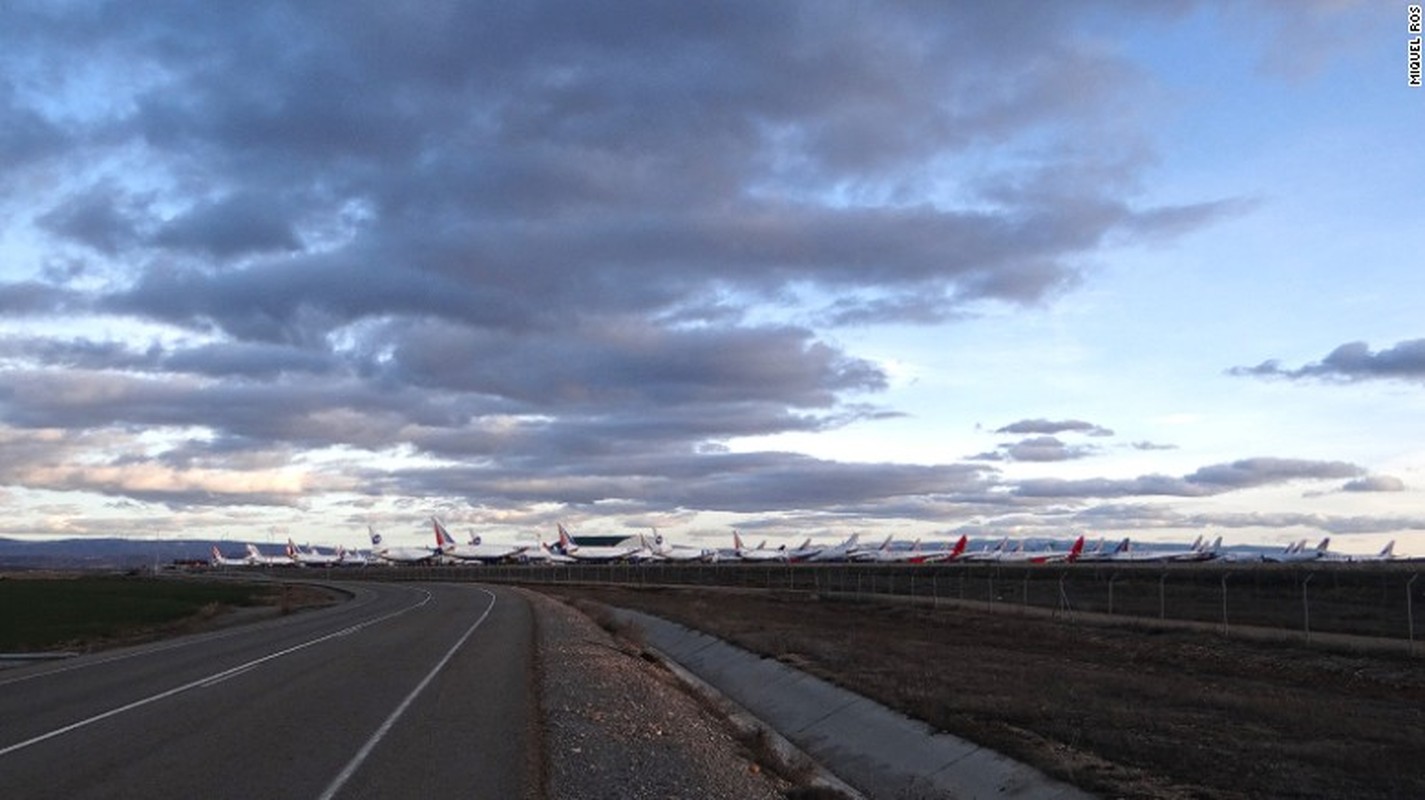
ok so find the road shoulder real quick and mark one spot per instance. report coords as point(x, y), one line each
point(618, 726)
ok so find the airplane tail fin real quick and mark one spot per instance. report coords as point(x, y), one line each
point(1324, 546)
point(737, 541)
point(959, 547)
point(375, 537)
point(1389, 550)
point(444, 542)
point(1076, 549)
point(566, 542)
point(291, 549)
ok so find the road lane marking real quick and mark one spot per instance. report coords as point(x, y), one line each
point(361, 755)
point(209, 680)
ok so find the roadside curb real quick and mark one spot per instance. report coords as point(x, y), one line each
point(748, 724)
point(879, 751)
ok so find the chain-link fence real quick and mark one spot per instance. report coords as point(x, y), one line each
point(1377, 600)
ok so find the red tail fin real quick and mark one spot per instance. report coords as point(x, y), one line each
point(1076, 549)
point(960, 545)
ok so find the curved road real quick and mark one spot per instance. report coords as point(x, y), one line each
point(415, 691)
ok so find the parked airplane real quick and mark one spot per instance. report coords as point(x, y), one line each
point(256, 558)
point(870, 552)
point(218, 560)
point(838, 552)
point(986, 553)
point(1387, 553)
point(660, 548)
point(543, 554)
point(885, 554)
point(1022, 556)
point(579, 552)
point(1298, 552)
point(757, 553)
point(804, 552)
point(399, 555)
point(351, 558)
point(474, 551)
point(953, 554)
point(310, 557)
point(1200, 551)
point(1127, 551)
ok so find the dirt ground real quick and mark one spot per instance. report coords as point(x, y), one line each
point(1120, 711)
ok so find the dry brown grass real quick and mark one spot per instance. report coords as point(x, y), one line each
point(1118, 711)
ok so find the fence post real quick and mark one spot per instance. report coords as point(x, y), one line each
point(1163, 596)
point(1410, 610)
point(1064, 604)
point(1225, 576)
point(1306, 607)
point(1111, 579)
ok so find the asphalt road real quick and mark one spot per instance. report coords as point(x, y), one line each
point(404, 691)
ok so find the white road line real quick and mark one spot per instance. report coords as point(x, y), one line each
point(207, 681)
point(360, 757)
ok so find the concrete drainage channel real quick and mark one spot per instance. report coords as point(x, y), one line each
point(880, 752)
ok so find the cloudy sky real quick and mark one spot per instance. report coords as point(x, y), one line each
point(1145, 269)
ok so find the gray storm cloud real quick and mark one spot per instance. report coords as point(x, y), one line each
point(1353, 361)
point(542, 241)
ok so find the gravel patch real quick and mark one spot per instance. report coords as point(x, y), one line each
point(618, 726)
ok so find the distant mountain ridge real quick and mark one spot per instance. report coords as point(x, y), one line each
point(106, 553)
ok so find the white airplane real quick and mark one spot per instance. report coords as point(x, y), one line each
point(256, 558)
point(915, 555)
point(758, 553)
point(868, 553)
point(218, 560)
point(310, 557)
point(578, 552)
point(987, 553)
point(1298, 552)
point(1386, 553)
point(662, 549)
point(1022, 556)
point(883, 553)
point(838, 552)
point(351, 558)
point(474, 551)
point(935, 556)
point(399, 555)
point(542, 554)
point(803, 553)
point(1126, 551)
point(1200, 551)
